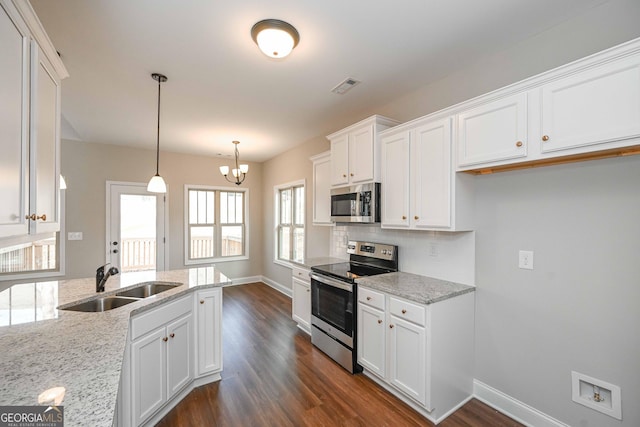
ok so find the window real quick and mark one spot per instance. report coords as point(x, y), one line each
point(215, 226)
point(289, 216)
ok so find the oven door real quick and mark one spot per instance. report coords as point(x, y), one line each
point(332, 304)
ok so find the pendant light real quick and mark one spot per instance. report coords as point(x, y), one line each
point(239, 172)
point(274, 37)
point(157, 184)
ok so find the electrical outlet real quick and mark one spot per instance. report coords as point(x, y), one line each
point(74, 235)
point(525, 260)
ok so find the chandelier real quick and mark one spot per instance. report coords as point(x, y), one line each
point(239, 172)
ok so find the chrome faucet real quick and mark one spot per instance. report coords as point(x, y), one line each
point(101, 277)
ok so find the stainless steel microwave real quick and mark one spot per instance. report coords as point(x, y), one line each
point(356, 203)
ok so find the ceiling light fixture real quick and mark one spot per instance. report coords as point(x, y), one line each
point(157, 184)
point(274, 37)
point(240, 171)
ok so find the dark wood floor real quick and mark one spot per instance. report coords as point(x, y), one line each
point(273, 376)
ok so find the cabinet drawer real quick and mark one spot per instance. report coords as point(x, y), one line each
point(147, 322)
point(408, 311)
point(372, 298)
point(300, 273)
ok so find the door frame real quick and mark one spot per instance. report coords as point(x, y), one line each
point(165, 226)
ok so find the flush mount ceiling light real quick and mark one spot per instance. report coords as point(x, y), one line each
point(275, 38)
point(157, 184)
point(239, 172)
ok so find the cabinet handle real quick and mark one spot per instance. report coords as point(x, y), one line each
point(519, 144)
point(165, 339)
point(545, 138)
point(201, 301)
point(379, 321)
point(390, 326)
point(404, 311)
point(404, 217)
point(172, 335)
point(368, 298)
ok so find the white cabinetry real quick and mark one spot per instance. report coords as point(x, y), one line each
point(585, 110)
point(209, 327)
point(422, 353)
point(322, 189)
point(30, 129)
point(162, 356)
point(355, 151)
point(301, 304)
point(420, 189)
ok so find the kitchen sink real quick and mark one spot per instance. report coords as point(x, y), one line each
point(147, 290)
point(101, 304)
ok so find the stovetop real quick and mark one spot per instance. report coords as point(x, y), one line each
point(348, 271)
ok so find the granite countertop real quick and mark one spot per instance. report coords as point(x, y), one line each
point(421, 289)
point(312, 262)
point(43, 347)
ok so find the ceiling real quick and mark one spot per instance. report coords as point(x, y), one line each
point(221, 87)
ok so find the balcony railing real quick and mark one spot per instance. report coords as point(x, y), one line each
point(138, 254)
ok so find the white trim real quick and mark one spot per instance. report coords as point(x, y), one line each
point(278, 287)
point(276, 217)
point(217, 225)
point(245, 280)
point(512, 407)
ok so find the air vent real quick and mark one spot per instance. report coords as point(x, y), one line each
point(344, 86)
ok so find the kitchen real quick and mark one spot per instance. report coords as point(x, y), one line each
point(532, 328)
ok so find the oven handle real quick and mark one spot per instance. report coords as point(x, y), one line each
point(332, 282)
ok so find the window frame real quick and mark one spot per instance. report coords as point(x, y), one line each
point(217, 225)
point(276, 229)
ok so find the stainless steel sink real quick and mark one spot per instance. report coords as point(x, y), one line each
point(147, 290)
point(101, 304)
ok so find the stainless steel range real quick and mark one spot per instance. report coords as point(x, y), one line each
point(334, 296)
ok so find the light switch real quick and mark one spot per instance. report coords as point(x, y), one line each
point(525, 260)
point(74, 235)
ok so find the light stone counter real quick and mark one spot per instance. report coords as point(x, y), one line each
point(42, 347)
point(312, 262)
point(421, 289)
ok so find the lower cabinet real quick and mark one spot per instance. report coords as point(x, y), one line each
point(301, 302)
point(421, 353)
point(171, 349)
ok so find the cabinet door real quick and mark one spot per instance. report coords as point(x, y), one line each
point(395, 181)
point(45, 144)
point(407, 360)
point(340, 160)
point(148, 370)
point(592, 107)
point(431, 175)
point(209, 331)
point(14, 108)
point(179, 354)
point(322, 191)
point(301, 308)
point(371, 339)
point(361, 155)
point(493, 132)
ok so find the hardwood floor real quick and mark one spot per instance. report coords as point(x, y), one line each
point(273, 376)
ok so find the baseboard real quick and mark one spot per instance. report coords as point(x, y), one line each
point(513, 408)
point(278, 287)
point(245, 280)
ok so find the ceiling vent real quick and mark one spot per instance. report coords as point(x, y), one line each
point(344, 86)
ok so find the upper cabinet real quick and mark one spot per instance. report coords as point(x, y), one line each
point(30, 130)
point(355, 151)
point(420, 189)
point(585, 110)
point(322, 189)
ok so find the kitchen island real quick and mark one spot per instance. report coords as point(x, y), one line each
point(43, 347)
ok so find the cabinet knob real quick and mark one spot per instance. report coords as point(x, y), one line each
point(344, 175)
point(165, 339)
point(308, 290)
point(32, 217)
point(350, 174)
point(519, 144)
point(404, 311)
point(379, 321)
point(390, 326)
point(545, 138)
point(368, 298)
point(201, 301)
point(416, 217)
point(172, 335)
point(404, 217)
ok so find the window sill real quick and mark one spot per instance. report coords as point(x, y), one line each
point(215, 260)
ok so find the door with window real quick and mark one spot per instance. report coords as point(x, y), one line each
point(135, 227)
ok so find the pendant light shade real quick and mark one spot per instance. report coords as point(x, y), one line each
point(156, 183)
point(275, 38)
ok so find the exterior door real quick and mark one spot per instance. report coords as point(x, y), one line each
point(135, 227)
